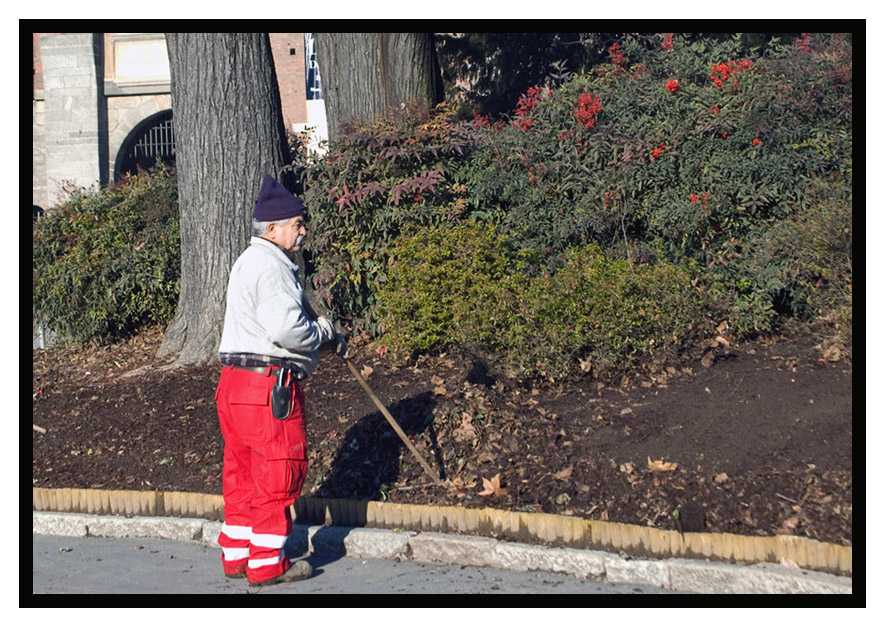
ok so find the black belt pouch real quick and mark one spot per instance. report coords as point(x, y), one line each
point(281, 395)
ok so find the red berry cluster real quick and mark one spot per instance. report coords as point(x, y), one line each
point(723, 71)
point(588, 109)
point(694, 199)
point(657, 152)
point(607, 198)
point(527, 104)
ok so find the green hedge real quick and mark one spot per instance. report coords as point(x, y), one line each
point(467, 286)
point(107, 263)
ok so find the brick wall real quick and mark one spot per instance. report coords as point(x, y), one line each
point(288, 56)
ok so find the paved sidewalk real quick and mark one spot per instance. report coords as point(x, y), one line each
point(74, 565)
point(326, 544)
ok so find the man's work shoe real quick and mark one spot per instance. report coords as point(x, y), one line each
point(297, 571)
point(237, 572)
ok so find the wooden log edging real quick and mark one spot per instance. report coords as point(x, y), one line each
point(129, 503)
point(552, 529)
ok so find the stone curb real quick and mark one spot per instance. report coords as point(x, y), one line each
point(523, 527)
point(680, 575)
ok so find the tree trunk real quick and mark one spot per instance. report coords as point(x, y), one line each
point(366, 75)
point(229, 132)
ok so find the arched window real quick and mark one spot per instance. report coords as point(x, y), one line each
point(153, 138)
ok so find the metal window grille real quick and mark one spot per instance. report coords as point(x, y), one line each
point(153, 139)
point(159, 140)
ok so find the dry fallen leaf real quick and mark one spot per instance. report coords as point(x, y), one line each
point(485, 457)
point(459, 487)
point(720, 478)
point(366, 371)
point(660, 465)
point(465, 431)
point(493, 487)
point(439, 390)
point(832, 353)
point(789, 526)
point(565, 473)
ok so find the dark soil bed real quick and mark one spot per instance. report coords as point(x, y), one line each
point(761, 435)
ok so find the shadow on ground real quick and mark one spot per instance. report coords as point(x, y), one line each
point(369, 463)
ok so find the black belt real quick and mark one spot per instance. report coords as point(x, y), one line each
point(259, 363)
point(263, 370)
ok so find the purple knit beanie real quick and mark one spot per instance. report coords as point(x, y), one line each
point(275, 203)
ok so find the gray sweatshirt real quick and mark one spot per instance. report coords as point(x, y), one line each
point(264, 313)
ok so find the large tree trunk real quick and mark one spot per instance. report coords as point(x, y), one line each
point(366, 75)
point(229, 132)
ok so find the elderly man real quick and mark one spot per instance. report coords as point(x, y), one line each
point(269, 343)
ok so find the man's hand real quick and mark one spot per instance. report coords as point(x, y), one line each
point(330, 334)
point(340, 345)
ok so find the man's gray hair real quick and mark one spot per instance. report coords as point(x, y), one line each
point(260, 228)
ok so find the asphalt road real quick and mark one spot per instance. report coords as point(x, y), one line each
point(88, 565)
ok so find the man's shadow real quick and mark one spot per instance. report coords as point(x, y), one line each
point(369, 462)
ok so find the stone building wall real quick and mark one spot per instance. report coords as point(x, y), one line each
point(39, 168)
point(73, 114)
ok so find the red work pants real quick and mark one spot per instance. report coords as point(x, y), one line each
point(265, 461)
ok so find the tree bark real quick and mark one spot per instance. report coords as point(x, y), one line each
point(367, 75)
point(229, 132)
